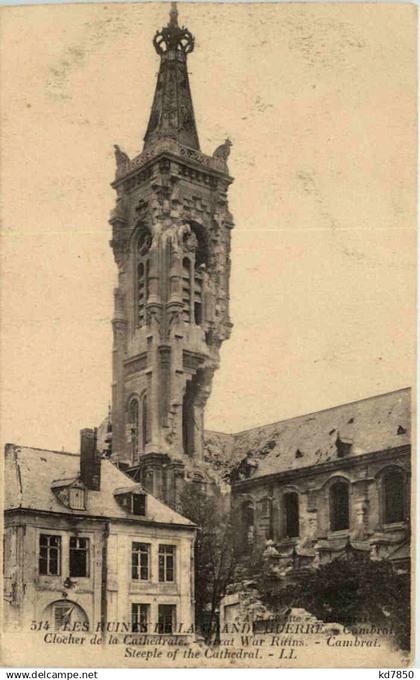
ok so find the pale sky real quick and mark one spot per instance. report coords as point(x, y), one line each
point(319, 101)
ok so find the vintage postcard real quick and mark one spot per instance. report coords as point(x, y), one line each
point(209, 303)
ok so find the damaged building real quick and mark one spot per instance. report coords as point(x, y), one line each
point(309, 484)
point(84, 545)
point(95, 538)
point(315, 485)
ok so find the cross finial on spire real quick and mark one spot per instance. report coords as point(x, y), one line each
point(172, 114)
point(173, 15)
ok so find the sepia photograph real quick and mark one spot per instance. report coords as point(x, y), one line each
point(208, 334)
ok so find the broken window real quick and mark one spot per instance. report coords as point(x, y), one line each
point(339, 506)
point(79, 556)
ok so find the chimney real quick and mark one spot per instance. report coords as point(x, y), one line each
point(90, 460)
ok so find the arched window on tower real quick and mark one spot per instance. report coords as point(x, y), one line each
point(144, 421)
point(201, 261)
point(186, 289)
point(194, 264)
point(393, 496)
point(188, 422)
point(339, 506)
point(141, 294)
point(142, 273)
point(198, 296)
point(133, 424)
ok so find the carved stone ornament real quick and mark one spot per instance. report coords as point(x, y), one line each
point(120, 212)
point(144, 242)
point(189, 239)
point(153, 318)
point(120, 248)
point(122, 160)
point(174, 318)
point(157, 229)
point(223, 151)
point(172, 146)
point(173, 37)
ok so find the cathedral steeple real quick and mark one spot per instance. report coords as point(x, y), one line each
point(171, 230)
point(172, 114)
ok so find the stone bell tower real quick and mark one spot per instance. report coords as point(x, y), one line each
point(171, 231)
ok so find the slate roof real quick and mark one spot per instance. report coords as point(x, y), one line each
point(374, 424)
point(30, 473)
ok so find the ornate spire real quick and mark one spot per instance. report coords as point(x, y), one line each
point(172, 112)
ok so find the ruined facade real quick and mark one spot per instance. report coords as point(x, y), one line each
point(312, 487)
point(84, 545)
point(171, 241)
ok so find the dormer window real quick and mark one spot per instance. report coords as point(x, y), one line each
point(138, 504)
point(77, 498)
point(132, 500)
point(343, 446)
point(71, 493)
